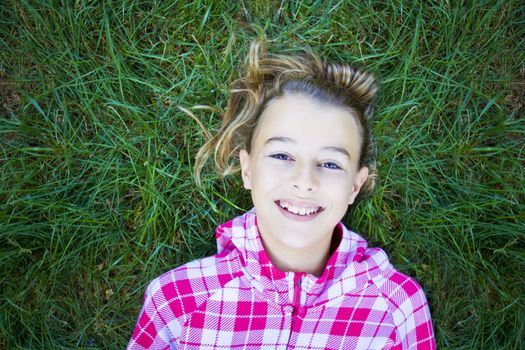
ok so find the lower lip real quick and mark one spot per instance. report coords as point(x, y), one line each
point(296, 217)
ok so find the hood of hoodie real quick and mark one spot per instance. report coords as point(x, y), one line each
point(350, 267)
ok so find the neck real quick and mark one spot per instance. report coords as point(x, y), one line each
point(311, 260)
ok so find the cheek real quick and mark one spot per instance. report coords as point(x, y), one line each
point(266, 177)
point(272, 170)
point(339, 187)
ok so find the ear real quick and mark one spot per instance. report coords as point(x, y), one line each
point(359, 180)
point(244, 158)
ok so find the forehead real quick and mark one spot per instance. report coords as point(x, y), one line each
point(306, 120)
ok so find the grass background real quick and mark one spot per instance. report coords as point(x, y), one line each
point(96, 192)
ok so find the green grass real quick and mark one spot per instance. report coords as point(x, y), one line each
point(96, 192)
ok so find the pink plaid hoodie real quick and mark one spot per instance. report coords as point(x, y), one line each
point(237, 299)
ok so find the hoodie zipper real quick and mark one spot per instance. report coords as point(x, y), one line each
point(296, 303)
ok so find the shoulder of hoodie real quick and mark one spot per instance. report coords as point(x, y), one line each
point(188, 286)
point(395, 286)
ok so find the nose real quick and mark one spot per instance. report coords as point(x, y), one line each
point(304, 179)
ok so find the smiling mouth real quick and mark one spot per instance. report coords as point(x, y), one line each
point(301, 211)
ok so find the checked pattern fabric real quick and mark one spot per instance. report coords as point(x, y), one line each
point(237, 299)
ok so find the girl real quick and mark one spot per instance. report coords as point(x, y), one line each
point(288, 274)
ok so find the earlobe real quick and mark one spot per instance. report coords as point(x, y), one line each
point(244, 159)
point(359, 180)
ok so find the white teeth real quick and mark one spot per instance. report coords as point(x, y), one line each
point(297, 210)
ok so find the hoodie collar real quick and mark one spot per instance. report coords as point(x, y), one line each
point(241, 235)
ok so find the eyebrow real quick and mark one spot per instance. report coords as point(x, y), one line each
point(290, 140)
point(280, 139)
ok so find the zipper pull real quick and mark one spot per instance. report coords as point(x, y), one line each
point(298, 279)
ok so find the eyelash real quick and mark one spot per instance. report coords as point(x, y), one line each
point(331, 165)
point(327, 165)
point(281, 156)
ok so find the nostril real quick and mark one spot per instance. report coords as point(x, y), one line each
point(305, 188)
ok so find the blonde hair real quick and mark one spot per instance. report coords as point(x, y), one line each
point(272, 76)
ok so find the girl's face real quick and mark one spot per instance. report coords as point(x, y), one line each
point(302, 171)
